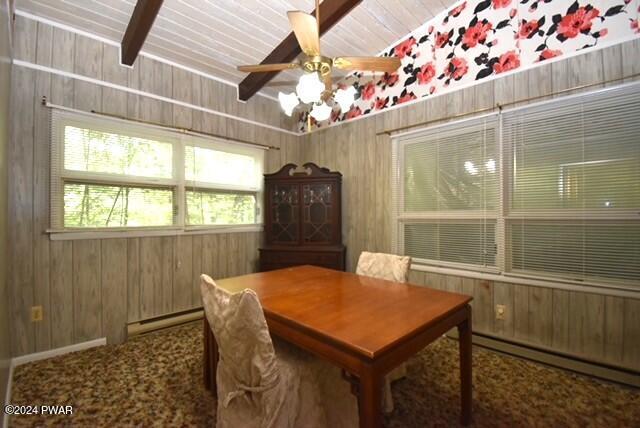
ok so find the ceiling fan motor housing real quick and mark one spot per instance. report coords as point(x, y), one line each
point(317, 63)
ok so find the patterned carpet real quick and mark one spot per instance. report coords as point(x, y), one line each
point(156, 380)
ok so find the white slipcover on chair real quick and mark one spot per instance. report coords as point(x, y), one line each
point(392, 268)
point(263, 386)
point(384, 266)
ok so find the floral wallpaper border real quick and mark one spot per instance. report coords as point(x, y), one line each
point(477, 40)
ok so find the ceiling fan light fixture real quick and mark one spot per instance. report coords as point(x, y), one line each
point(310, 88)
point(345, 98)
point(288, 102)
point(321, 112)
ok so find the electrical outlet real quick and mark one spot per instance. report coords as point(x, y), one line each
point(36, 313)
point(500, 312)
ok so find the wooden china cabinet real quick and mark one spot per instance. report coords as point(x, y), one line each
point(302, 221)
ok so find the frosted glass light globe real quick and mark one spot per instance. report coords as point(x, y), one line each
point(345, 97)
point(288, 102)
point(321, 112)
point(310, 88)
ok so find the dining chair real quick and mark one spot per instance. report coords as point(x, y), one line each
point(392, 268)
point(384, 266)
point(265, 383)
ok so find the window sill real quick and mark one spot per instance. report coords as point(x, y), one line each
point(76, 234)
point(555, 283)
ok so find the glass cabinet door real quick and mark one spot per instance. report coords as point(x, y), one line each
point(317, 206)
point(285, 211)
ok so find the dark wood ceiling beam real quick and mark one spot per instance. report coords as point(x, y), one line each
point(331, 11)
point(140, 23)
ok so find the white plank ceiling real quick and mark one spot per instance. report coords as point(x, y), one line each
point(215, 36)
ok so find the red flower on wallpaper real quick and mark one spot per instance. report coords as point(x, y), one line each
point(635, 25)
point(354, 112)
point(457, 68)
point(507, 61)
point(580, 21)
point(368, 91)
point(497, 4)
point(404, 48)
point(390, 79)
point(549, 53)
point(442, 39)
point(426, 73)
point(476, 34)
point(381, 103)
point(528, 28)
point(457, 10)
point(406, 97)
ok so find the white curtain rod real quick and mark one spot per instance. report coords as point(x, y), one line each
point(159, 126)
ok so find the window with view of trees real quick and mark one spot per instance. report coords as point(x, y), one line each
point(546, 190)
point(114, 174)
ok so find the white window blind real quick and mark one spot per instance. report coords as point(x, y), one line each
point(547, 190)
point(574, 180)
point(448, 193)
point(110, 173)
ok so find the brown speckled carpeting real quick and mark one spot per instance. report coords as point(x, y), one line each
point(156, 380)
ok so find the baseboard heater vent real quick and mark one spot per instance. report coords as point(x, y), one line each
point(555, 359)
point(165, 321)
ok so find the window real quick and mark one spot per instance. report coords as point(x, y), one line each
point(574, 187)
point(546, 190)
point(449, 193)
point(113, 174)
point(221, 186)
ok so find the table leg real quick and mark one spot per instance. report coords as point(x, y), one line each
point(370, 399)
point(210, 360)
point(464, 338)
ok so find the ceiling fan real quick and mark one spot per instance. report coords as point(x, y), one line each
point(318, 68)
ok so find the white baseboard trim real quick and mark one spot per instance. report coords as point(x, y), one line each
point(37, 356)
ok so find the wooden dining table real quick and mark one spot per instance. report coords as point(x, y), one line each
point(363, 325)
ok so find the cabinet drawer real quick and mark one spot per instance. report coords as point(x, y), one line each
point(278, 259)
point(298, 257)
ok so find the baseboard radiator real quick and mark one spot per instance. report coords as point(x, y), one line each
point(555, 359)
point(165, 321)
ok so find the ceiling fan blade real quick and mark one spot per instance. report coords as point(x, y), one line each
point(305, 27)
point(372, 63)
point(258, 68)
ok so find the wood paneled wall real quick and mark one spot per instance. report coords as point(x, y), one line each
point(92, 288)
point(5, 85)
point(589, 325)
